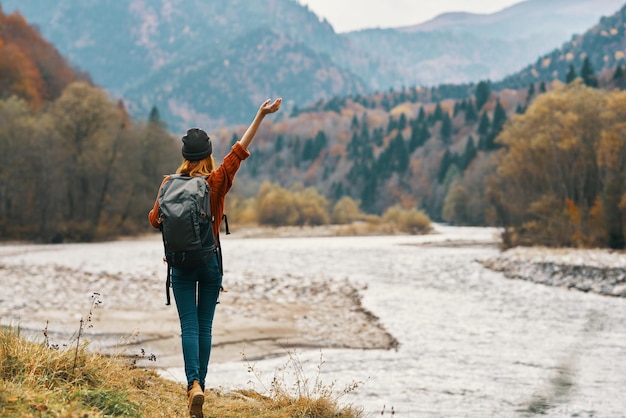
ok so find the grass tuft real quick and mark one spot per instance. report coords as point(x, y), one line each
point(41, 379)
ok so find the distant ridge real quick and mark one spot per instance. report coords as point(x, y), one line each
point(563, 17)
point(443, 21)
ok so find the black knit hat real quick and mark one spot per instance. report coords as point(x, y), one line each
point(196, 145)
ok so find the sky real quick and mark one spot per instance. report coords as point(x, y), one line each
point(348, 15)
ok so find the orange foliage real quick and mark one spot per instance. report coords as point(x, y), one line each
point(30, 67)
point(18, 76)
point(574, 215)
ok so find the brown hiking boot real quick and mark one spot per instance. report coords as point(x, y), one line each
point(196, 400)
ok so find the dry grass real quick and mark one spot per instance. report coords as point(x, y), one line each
point(39, 379)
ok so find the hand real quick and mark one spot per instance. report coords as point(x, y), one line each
point(267, 108)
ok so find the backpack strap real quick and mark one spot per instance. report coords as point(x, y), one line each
point(168, 280)
point(225, 218)
point(168, 283)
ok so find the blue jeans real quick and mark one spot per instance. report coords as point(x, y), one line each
point(196, 291)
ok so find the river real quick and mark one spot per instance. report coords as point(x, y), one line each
point(472, 343)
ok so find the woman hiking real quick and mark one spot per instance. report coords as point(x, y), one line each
point(196, 288)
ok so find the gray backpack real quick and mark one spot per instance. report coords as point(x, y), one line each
point(186, 223)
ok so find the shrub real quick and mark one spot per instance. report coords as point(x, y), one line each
point(412, 221)
point(346, 211)
point(278, 207)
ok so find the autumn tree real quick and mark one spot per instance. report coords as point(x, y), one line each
point(30, 67)
point(563, 167)
point(612, 169)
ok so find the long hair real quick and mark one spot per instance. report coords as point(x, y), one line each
point(203, 167)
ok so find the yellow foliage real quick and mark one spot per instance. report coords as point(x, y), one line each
point(566, 151)
point(346, 211)
point(412, 221)
point(277, 206)
point(406, 108)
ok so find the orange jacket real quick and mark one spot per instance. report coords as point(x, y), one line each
point(220, 181)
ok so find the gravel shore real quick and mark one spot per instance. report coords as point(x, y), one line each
point(117, 289)
point(260, 315)
point(587, 270)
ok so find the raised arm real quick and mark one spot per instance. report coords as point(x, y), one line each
point(265, 109)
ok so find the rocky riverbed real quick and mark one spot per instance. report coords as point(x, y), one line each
point(117, 289)
point(587, 270)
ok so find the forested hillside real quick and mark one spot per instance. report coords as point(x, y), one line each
point(30, 67)
point(439, 149)
point(603, 46)
point(73, 165)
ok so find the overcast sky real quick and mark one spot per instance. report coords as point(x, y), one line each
point(347, 15)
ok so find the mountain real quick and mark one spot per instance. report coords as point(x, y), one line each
point(425, 147)
point(465, 47)
point(604, 46)
point(211, 63)
point(546, 18)
point(192, 58)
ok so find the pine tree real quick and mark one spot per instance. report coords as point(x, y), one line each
point(469, 153)
point(618, 77)
point(233, 139)
point(587, 73)
point(619, 73)
point(421, 117)
point(437, 114)
point(483, 91)
point(471, 116)
point(542, 87)
point(446, 128)
point(385, 103)
point(378, 137)
point(391, 124)
point(414, 97)
point(531, 92)
point(355, 123)
point(499, 119)
point(571, 74)
point(154, 116)
point(446, 162)
point(457, 108)
point(415, 141)
point(483, 126)
point(279, 144)
point(400, 153)
point(402, 122)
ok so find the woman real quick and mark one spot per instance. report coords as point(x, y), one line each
point(196, 289)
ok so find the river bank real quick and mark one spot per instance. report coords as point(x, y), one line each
point(117, 289)
point(598, 271)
